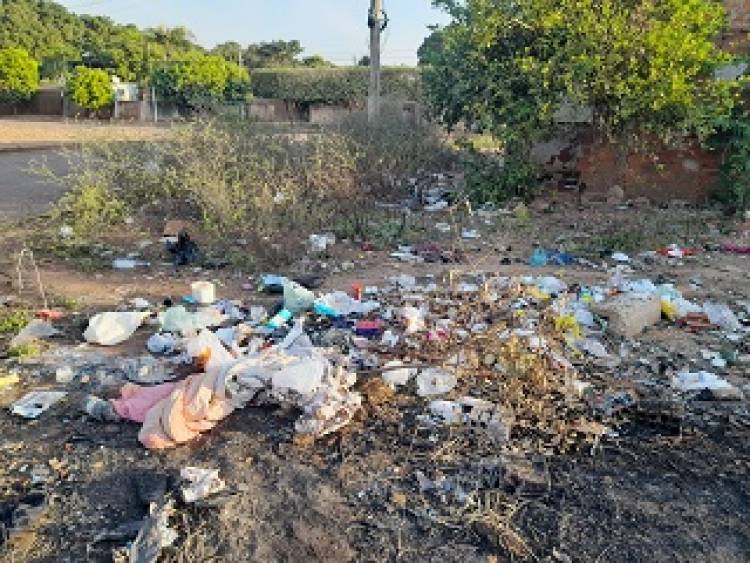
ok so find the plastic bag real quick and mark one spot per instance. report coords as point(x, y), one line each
point(35, 330)
point(538, 258)
point(720, 314)
point(297, 298)
point(206, 345)
point(434, 381)
point(110, 329)
point(414, 319)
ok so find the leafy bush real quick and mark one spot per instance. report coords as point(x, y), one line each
point(199, 82)
point(734, 186)
point(19, 75)
point(492, 178)
point(90, 88)
point(391, 149)
point(341, 84)
point(90, 208)
point(13, 322)
point(643, 68)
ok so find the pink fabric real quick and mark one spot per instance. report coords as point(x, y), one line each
point(195, 405)
point(135, 401)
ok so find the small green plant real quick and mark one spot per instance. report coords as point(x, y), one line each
point(25, 351)
point(13, 322)
point(90, 207)
point(67, 303)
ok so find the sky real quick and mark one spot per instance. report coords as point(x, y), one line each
point(335, 29)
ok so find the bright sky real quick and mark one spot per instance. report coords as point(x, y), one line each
point(335, 29)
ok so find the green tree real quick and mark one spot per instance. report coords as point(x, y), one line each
point(229, 51)
point(19, 75)
point(644, 68)
point(199, 81)
point(430, 50)
point(273, 54)
point(90, 88)
point(50, 33)
point(316, 61)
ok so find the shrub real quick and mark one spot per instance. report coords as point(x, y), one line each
point(492, 178)
point(241, 182)
point(341, 84)
point(734, 185)
point(90, 208)
point(392, 150)
point(199, 82)
point(90, 88)
point(19, 75)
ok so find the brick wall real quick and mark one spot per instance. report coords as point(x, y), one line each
point(689, 174)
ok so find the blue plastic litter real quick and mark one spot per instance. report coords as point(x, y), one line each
point(562, 259)
point(538, 258)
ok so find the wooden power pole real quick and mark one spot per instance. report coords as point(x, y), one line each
point(374, 20)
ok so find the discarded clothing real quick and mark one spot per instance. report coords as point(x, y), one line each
point(135, 401)
point(293, 373)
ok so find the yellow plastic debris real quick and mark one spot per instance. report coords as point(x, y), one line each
point(8, 380)
point(567, 324)
point(669, 309)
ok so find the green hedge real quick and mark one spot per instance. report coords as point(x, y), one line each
point(341, 84)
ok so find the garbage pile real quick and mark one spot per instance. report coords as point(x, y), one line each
point(530, 362)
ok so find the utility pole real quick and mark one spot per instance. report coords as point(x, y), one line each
point(375, 22)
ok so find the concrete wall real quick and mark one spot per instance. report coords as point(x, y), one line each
point(46, 101)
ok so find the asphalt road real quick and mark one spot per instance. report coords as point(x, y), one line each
point(22, 192)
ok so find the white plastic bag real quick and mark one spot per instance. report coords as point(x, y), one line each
point(35, 330)
point(208, 342)
point(110, 329)
point(434, 381)
point(720, 314)
point(297, 298)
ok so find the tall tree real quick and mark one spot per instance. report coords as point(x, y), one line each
point(229, 51)
point(273, 54)
point(645, 68)
point(430, 50)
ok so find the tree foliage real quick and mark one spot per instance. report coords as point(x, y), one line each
point(199, 81)
point(643, 67)
point(90, 88)
point(61, 40)
point(273, 54)
point(430, 50)
point(19, 75)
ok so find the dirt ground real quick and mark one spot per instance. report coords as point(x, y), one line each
point(670, 485)
point(30, 132)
